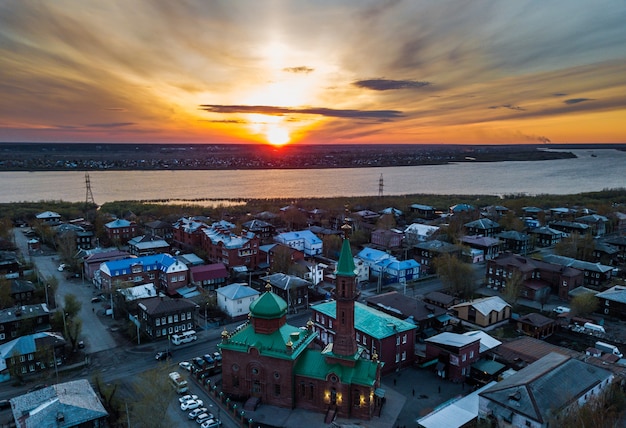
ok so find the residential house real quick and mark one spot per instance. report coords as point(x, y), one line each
point(163, 316)
point(269, 252)
point(545, 236)
point(147, 245)
point(49, 217)
point(416, 233)
point(490, 247)
point(391, 338)
point(30, 353)
point(375, 260)
point(455, 353)
point(538, 278)
point(569, 227)
point(208, 277)
point(80, 237)
point(618, 241)
point(620, 220)
point(67, 404)
point(162, 269)
point(514, 241)
point(440, 299)
point(605, 253)
point(482, 227)
point(426, 252)
point(23, 320)
point(187, 233)
point(539, 394)
point(597, 223)
point(93, 260)
point(311, 271)
point(487, 312)
point(235, 299)
point(293, 290)
point(461, 208)
point(423, 211)
point(494, 212)
point(10, 266)
point(262, 229)
point(525, 350)
point(222, 245)
point(401, 271)
point(22, 292)
point(303, 240)
point(595, 274)
point(159, 228)
point(426, 317)
point(613, 302)
point(536, 325)
point(127, 299)
point(121, 231)
point(533, 212)
point(387, 239)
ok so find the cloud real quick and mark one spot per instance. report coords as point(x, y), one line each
point(301, 69)
point(559, 94)
point(577, 100)
point(384, 115)
point(388, 84)
point(509, 106)
point(110, 125)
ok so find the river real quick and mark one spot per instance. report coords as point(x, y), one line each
point(591, 170)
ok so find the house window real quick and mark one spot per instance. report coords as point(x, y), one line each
point(30, 357)
point(398, 341)
point(317, 317)
point(397, 358)
point(277, 389)
point(364, 340)
point(169, 319)
point(404, 356)
point(471, 354)
point(182, 316)
point(22, 358)
point(404, 339)
point(330, 323)
point(163, 320)
point(358, 336)
point(463, 357)
point(188, 315)
point(176, 318)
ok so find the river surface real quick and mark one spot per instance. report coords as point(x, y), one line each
point(592, 170)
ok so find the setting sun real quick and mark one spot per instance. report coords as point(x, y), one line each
point(277, 136)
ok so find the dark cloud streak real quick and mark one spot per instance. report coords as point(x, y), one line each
point(384, 115)
point(388, 84)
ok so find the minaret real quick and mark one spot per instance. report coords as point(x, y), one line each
point(345, 294)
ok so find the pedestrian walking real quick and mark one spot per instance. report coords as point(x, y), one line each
point(413, 392)
point(394, 381)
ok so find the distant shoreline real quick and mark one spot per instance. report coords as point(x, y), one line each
point(112, 157)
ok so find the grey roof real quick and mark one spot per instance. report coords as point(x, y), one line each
point(237, 291)
point(546, 387)
point(166, 305)
point(482, 223)
point(284, 282)
point(75, 401)
point(26, 311)
point(615, 294)
point(452, 339)
point(486, 305)
point(577, 264)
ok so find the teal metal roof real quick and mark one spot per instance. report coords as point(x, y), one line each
point(273, 344)
point(268, 306)
point(313, 364)
point(345, 265)
point(368, 320)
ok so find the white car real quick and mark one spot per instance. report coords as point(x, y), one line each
point(61, 267)
point(184, 398)
point(561, 310)
point(203, 417)
point(197, 412)
point(185, 365)
point(191, 404)
point(211, 423)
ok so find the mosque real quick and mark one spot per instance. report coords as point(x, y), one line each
point(279, 364)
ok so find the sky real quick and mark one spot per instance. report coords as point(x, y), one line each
point(313, 72)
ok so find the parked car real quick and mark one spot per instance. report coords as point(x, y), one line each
point(197, 412)
point(211, 423)
point(186, 365)
point(187, 398)
point(209, 359)
point(163, 355)
point(61, 267)
point(203, 417)
point(217, 356)
point(561, 310)
point(5, 404)
point(191, 404)
point(95, 299)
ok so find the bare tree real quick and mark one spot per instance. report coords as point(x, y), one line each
point(606, 409)
point(455, 275)
point(513, 288)
point(584, 304)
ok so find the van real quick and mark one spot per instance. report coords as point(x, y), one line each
point(608, 348)
point(184, 337)
point(594, 328)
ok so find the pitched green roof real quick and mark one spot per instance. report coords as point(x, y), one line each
point(368, 320)
point(273, 344)
point(345, 265)
point(268, 306)
point(313, 364)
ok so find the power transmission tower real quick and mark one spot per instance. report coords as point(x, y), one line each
point(89, 195)
point(380, 185)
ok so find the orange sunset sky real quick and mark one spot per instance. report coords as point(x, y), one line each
point(313, 72)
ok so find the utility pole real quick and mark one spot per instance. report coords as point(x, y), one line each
point(381, 185)
point(89, 195)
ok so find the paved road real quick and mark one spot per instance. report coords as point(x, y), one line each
point(96, 335)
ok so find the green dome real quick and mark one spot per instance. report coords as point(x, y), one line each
point(268, 306)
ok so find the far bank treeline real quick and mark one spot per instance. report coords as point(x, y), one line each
point(603, 202)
